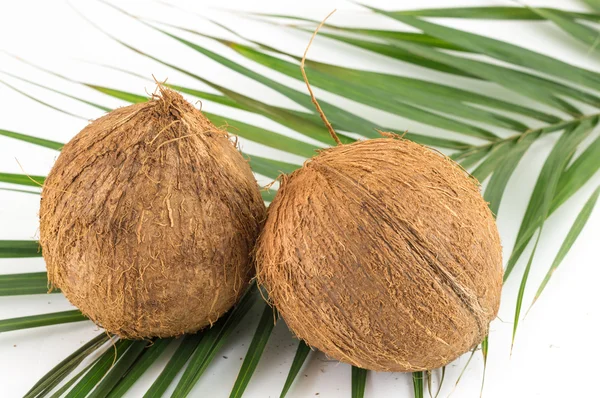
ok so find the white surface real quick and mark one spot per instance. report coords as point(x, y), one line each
point(555, 354)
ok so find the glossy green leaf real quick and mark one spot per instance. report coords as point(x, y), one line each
point(494, 157)
point(21, 179)
point(504, 51)
point(571, 237)
point(537, 88)
point(34, 321)
point(255, 350)
point(271, 168)
point(522, 287)
point(374, 89)
point(499, 13)
point(470, 157)
point(445, 98)
point(399, 54)
point(65, 367)
point(359, 382)
point(31, 139)
point(594, 5)
point(60, 393)
point(19, 284)
point(301, 354)
point(502, 173)
point(418, 384)
point(585, 34)
point(484, 353)
point(99, 370)
point(578, 173)
point(540, 202)
point(263, 136)
point(419, 38)
point(118, 371)
point(143, 363)
point(176, 363)
point(19, 248)
point(213, 340)
point(268, 194)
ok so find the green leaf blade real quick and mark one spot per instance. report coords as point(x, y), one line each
point(301, 354)
point(34, 321)
point(255, 350)
point(571, 237)
point(359, 382)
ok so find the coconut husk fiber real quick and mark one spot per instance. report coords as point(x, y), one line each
point(148, 218)
point(384, 255)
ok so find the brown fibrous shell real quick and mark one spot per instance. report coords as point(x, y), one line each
point(148, 219)
point(382, 254)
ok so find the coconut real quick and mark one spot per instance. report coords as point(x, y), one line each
point(384, 255)
point(148, 219)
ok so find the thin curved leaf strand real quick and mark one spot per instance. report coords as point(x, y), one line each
point(255, 350)
point(571, 237)
point(301, 354)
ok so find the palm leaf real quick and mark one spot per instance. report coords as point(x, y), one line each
point(574, 232)
point(585, 34)
point(301, 354)
point(137, 369)
point(255, 350)
point(503, 51)
point(20, 248)
point(65, 367)
point(97, 372)
point(34, 321)
point(439, 105)
point(19, 284)
point(359, 381)
point(418, 384)
point(501, 13)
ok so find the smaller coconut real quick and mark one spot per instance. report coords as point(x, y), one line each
point(148, 219)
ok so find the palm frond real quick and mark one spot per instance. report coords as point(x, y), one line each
point(359, 381)
point(495, 134)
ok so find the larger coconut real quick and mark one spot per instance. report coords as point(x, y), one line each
point(148, 219)
point(384, 255)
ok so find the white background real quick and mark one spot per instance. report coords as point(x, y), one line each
point(555, 353)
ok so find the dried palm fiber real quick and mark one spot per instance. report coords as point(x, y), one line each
point(148, 219)
point(382, 254)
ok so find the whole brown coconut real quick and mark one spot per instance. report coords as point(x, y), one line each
point(384, 255)
point(148, 218)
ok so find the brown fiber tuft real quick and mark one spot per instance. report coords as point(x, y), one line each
point(384, 255)
point(148, 219)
